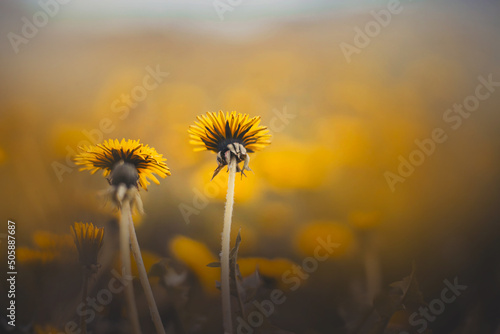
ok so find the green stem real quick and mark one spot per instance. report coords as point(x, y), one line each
point(143, 276)
point(125, 257)
point(226, 240)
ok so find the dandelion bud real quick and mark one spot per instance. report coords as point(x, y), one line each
point(88, 240)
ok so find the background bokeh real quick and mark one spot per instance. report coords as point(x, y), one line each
point(324, 174)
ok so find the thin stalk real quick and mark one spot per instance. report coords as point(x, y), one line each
point(226, 239)
point(125, 254)
point(143, 276)
point(85, 289)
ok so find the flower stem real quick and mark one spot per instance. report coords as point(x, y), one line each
point(125, 254)
point(226, 240)
point(83, 323)
point(153, 309)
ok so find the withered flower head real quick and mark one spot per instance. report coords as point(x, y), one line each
point(111, 153)
point(229, 135)
point(88, 240)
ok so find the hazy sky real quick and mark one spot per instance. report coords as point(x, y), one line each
point(201, 9)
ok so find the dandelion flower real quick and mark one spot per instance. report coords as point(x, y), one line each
point(232, 136)
point(88, 240)
point(110, 153)
point(229, 134)
point(365, 221)
point(270, 268)
point(196, 255)
point(307, 238)
point(128, 165)
point(49, 247)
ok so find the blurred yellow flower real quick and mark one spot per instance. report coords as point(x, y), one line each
point(49, 247)
point(88, 241)
point(295, 166)
point(137, 217)
point(148, 258)
point(64, 135)
point(106, 155)
point(273, 268)
point(249, 237)
point(28, 255)
point(115, 93)
point(50, 241)
point(365, 220)
point(349, 140)
point(247, 100)
point(306, 237)
point(274, 217)
point(177, 101)
point(195, 255)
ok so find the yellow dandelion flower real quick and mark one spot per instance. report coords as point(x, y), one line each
point(365, 220)
point(52, 242)
point(229, 135)
point(307, 236)
point(27, 255)
point(215, 131)
point(49, 247)
point(88, 240)
point(274, 268)
point(196, 255)
point(111, 153)
point(297, 157)
point(232, 136)
point(148, 258)
point(274, 217)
